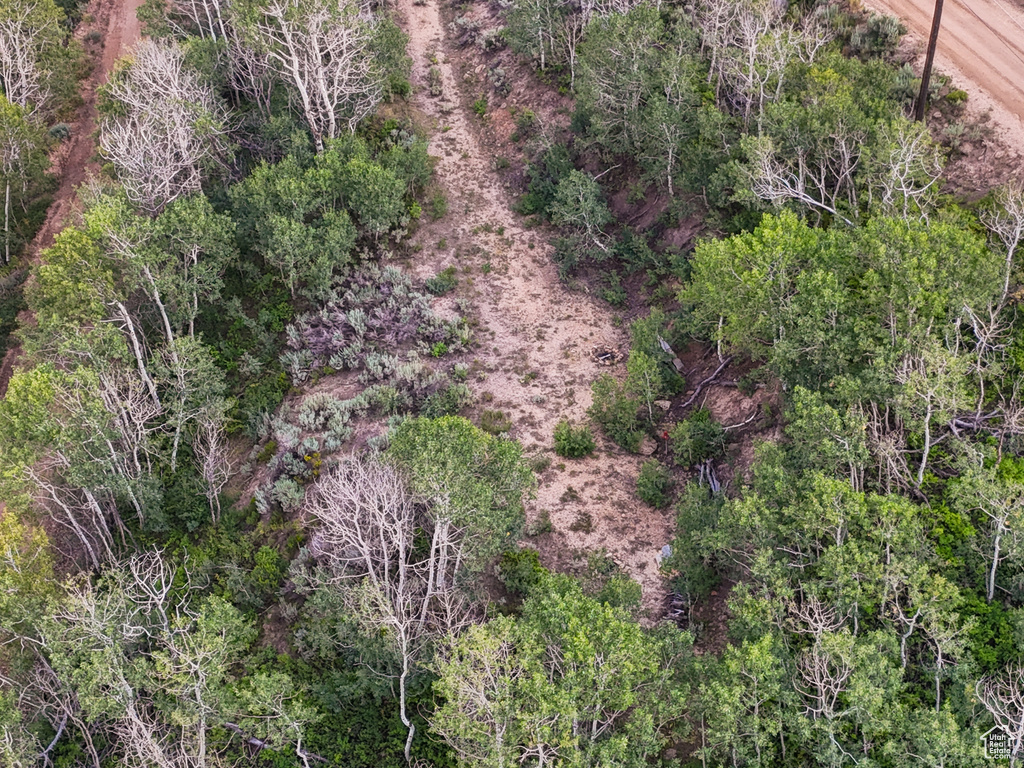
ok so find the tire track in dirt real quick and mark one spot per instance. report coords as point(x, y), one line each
point(535, 337)
point(981, 45)
point(75, 161)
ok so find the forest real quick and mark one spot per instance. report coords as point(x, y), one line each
point(288, 479)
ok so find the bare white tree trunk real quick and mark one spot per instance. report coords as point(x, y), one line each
point(171, 125)
point(1003, 697)
point(322, 51)
point(20, 76)
point(367, 520)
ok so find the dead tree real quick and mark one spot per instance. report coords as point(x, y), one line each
point(980, 489)
point(212, 460)
point(818, 183)
point(168, 127)
point(22, 27)
point(1003, 697)
point(823, 676)
point(18, 142)
point(1006, 222)
point(602, 8)
point(322, 50)
point(367, 521)
point(906, 170)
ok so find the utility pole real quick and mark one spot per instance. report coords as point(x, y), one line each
point(929, 59)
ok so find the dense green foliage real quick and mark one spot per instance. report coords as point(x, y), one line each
point(571, 681)
point(869, 557)
point(243, 519)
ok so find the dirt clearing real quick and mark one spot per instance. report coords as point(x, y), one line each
point(536, 357)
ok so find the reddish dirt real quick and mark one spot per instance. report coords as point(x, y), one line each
point(74, 161)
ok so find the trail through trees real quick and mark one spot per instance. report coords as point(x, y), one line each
point(537, 339)
point(119, 27)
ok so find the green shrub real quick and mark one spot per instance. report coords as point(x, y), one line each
point(434, 81)
point(573, 442)
point(12, 301)
point(879, 36)
point(956, 96)
point(540, 463)
point(526, 122)
point(438, 205)
point(268, 570)
point(495, 422)
point(691, 560)
point(616, 413)
point(442, 282)
point(620, 591)
point(480, 106)
point(267, 452)
point(545, 173)
point(584, 523)
point(389, 400)
point(541, 525)
point(654, 484)
point(697, 438)
point(61, 131)
point(520, 570)
point(636, 254)
point(446, 402)
point(615, 294)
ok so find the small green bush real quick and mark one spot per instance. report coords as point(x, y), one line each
point(268, 570)
point(878, 37)
point(615, 294)
point(267, 452)
point(520, 570)
point(61, 132)
point(956, 96)
point(495, 422)
point(573, 442)
point(620, 591)
point(434, 81)
point(480, 106)
point(654, 484)
point(442, 282)
point(438, 206)
point(541, 525)
point(545, 173)
point(446, 402)
point(526, 122)
point(697, 438)
point(617, 413)
point(584, 523)
point(540, 463)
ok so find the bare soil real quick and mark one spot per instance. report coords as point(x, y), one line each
point(536, 340)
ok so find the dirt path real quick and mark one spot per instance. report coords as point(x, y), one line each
point(75, 160)
point(981, 45)
point(117, 21)
point(536, 339)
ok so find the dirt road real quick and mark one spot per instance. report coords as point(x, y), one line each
point(535, 359)
point(117, 22)
point(981, 40)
